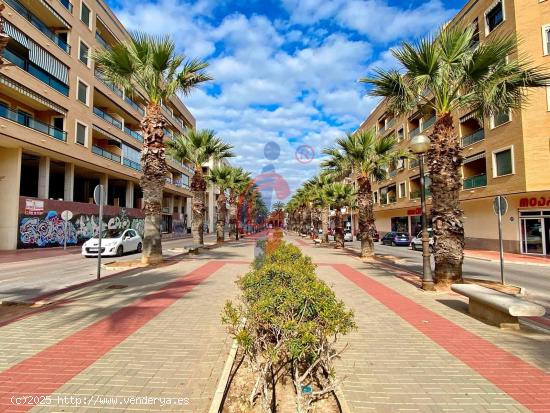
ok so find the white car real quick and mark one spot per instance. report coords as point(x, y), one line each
point(348, 237)
point(416, 242)
point(114, 242)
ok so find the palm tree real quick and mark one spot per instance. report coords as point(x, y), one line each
point(151, 65)
point(365, 158)
point(321, 202)
point(241, 181)
point(222, 177)
point(340, 195)
point(198, 147)
point(278, 210)
point(446, 74)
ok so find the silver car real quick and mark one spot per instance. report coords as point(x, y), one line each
point(114, 242)
point(416, 242)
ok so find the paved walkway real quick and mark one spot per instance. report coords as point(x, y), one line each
point(146, 338)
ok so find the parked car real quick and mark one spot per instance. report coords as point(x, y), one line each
point(416, 242)
point(396, 238)
point(114, 242)
point(348, 237)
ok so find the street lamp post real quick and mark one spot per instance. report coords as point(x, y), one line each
point(419, 146)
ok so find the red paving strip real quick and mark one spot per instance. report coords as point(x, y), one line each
point(527, 384)
point(45, 372)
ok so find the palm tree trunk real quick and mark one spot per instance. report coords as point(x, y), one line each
point(325, 215)
point(232, 217)
point(198, 188)
point(339, 229)
point(367, 228)
point(444, 161)
point(222, 212)
point(153, 164)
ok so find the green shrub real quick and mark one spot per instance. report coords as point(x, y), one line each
point(289, 319)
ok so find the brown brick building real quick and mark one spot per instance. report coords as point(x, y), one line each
point(63, 129)
point(506, 155)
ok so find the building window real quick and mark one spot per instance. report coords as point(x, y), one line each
point(81, 133)
point(503, 162)
point(546, 39)
point(82, 92)
point(501, 118)
point(85, 14)
point(494, 16)
point(400, 134)
point(402, 191)
point(84, 53)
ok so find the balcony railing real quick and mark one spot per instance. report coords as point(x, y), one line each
point(67, 4)
point(26, 120)
point(115, 89)
point(413, 163)
point(36, 71)
point(39, 24)
point(106, 154)
point(108, 118)
point(134, 105)
point(414, 132)
point(180, 183)
point(383, 200)
point(133, 134)
point(131, 164)
point(392, 199)
point(475, 181)
point(102, 41)
point(415, 194)
point(426, 124)
point(390, 123)
point(393, 173)
point(477, 136)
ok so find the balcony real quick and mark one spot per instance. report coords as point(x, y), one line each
point(106, 154)
point(134, 105)
point(383, 200)
point(67, 4)
point(413, 163)
point(131, 164)
point(475, 181)
point(27, 121)
point(477, 136)
point(414, 132)
point(393, 173)
point(117, 91)
point(137, 136)
point(415, 194)
point(392, 199)
point(102, 41)
point(426, 124)
point(107, 118)
point(39, 24)
point(36, 72)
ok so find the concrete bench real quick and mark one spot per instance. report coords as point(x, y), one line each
point(317, 241)
point(193, 248)
point(497, 308)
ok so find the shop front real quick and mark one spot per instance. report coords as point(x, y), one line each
point(534, 222)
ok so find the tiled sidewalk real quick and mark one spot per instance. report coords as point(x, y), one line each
point(417, 351)
point(159, 336)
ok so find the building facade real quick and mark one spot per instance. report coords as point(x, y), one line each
point(63, 129)
point(508, 154)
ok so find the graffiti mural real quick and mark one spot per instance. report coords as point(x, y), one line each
point(47, 230)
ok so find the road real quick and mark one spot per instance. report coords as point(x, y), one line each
point(23, 280)
point(534, 278)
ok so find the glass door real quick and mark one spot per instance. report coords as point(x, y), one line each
point(533, 237)
point(547, 233)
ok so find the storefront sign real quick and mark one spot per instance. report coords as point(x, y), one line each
point(534, 201)
point(34, 207)
point(414, 211)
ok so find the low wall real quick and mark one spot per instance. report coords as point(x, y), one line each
point(41, 226)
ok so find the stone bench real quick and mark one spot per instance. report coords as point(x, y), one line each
point(193, 248)
point(497, 308)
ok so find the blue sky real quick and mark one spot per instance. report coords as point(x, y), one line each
point(285, 71)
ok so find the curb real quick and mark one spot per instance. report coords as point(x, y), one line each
point(219, 394)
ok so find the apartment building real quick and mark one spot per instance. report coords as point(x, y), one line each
point(63, 129)
point(508, 154)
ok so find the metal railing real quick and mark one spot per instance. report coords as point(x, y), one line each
point(137, 136)
point(134, 105)
point(414, 132)
point(392, 199)
point(383, 200)
point(107, 118)
point(105, 153)
point(475, 181)
point(131, 164)
point(390, 123)
point(477, 136)
point(29, 122)
point(415, 194)
point(39, 24)
point(115, 89)
point(428, 123)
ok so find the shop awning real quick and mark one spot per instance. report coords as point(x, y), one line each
point(16, 34)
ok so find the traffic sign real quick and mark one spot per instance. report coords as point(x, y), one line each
point(99, 194)
point(66, 215)
point(501, 203)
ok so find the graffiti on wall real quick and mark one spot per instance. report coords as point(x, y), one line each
point(47, 230)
